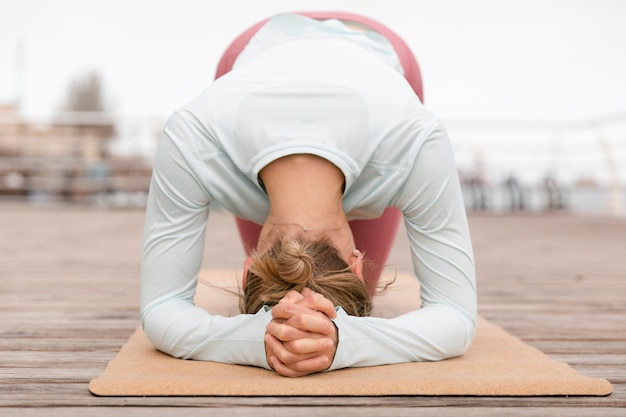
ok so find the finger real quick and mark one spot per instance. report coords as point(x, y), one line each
point(305, 367)
point(286, 333)
point(282, 369)
point(303, 319)
point(309, 345)
point(312, 323)
point(292, 296)
point(288, 310)
point(318, 302)
point(283, 354)
point(299, 342)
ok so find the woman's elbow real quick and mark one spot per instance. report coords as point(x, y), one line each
point(153, 329)
point(462, 339)
point(457, 341)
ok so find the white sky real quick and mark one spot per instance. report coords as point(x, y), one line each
point(544, 59)
point(480, 59)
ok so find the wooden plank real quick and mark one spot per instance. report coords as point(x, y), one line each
point(73, 394)
point(326, 411)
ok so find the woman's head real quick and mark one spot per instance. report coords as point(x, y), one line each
point(296, 264)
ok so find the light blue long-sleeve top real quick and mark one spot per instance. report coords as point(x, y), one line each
point(305, 86)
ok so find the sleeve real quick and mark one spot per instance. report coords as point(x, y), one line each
point(443, 260)
point(175, 225)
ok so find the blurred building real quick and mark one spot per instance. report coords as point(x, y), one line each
point(67, 159)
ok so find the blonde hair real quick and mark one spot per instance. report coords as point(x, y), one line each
point(297, 264)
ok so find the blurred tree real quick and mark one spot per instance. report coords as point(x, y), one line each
point(85, 93)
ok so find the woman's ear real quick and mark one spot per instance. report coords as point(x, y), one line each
point(246, 265)
point(357, 265)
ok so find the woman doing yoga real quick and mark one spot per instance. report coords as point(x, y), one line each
point(318, 143)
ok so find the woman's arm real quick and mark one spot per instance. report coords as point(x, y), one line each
point(441, 249)
point(176, 219)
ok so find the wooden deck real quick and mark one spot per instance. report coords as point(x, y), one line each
point(69, 300)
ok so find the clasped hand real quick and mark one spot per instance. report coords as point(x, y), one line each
point(301, 339)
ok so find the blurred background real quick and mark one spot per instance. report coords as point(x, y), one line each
point(533, 92)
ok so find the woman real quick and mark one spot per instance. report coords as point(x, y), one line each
point(314, 128)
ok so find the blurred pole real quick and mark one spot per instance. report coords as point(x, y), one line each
point(615, 197)
point(20, 76)
point(20, 80)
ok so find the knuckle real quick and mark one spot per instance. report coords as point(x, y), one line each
point(296, 346)
point(298, 321)
point(286, 357)
point(283, 333)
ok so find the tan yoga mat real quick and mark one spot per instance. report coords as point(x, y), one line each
point(497, 364)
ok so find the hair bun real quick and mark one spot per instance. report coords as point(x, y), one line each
point(296, 266)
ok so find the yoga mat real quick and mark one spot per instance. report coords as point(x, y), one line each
point(497, 364)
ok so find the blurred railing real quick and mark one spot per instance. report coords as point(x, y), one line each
point(105, 159)
point(533, 165)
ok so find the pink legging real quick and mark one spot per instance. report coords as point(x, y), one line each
point(373, 237)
